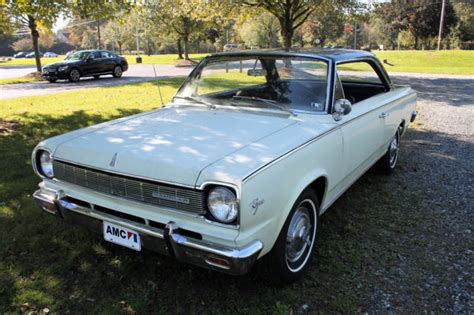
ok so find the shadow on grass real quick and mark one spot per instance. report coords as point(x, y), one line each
point(47, 263)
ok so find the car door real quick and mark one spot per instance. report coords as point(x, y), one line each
point(363, 127)
point(92, 64)
point(108, 61)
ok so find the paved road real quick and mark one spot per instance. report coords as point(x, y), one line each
point(136, 73)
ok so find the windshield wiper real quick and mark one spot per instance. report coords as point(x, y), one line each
point(272, 103)
point(193, 99)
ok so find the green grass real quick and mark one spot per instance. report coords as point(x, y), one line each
point(169, 59)
point(17, 80)
point(443, 62)
point(46, 263)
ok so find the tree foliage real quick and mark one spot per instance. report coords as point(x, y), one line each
point(291, 14)
point(33, 14)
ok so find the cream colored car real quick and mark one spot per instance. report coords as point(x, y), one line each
point(252, 150)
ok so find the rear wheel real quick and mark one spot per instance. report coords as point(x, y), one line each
point(289, 257)
point(387, 163)
point(117, 72)
point(74, 75)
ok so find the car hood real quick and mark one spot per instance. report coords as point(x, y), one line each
point(172, 144)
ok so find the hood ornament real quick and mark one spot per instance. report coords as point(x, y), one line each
point(114, 158)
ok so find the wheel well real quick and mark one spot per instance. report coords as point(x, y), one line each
point(319, 187)
point(401, 127)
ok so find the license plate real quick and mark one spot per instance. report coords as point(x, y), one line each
point(122, 236)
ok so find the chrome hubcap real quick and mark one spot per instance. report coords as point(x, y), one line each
point(118, 71)
point(299, 236)
point(393, 151)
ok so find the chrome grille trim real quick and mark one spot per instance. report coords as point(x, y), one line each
point(130, 188)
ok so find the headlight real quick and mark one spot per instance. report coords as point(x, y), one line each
point(63, 68)
point(223, 204)
point(45, 163)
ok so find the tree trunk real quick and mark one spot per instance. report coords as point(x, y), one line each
point(180, 49)
point(98, 35)
point(415, 46)
point(186, 46)
point(120, 47)
point(287, 36)
point(34, 39)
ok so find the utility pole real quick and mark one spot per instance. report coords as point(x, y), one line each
point(355, 35)
point(441, 23)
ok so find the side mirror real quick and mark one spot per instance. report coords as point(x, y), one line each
point(342, 107)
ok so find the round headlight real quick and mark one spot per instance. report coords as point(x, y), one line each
point(46, 164)
point(223, 204)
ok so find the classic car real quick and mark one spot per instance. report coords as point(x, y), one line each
point(86, 63)
point(254, 147)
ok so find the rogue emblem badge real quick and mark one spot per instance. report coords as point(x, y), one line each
point(114, 158)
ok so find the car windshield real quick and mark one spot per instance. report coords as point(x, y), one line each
point(284, 83)
point(78, 55)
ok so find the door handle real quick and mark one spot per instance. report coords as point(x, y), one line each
point(384, 114)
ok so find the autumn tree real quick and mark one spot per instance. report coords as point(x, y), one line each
point(118, 33)
point(33, 14)
point(291, 14)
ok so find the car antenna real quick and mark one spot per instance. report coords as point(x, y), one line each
point(158, 85)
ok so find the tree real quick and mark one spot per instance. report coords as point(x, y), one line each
point(324, 26)
point(262, 31)
point(33, 14)
point(92, 10)
point(118, 33)
point(419, 17)
point(291, 14)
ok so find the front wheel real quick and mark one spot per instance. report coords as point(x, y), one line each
point(289, 257)
point(117, 72)
point(74, 75)
point(52, 80)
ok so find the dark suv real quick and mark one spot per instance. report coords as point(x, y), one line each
point(86, 63)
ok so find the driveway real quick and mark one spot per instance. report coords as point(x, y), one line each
point(135, 73)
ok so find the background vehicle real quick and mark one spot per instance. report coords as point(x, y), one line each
point(230, 47)
point(32, 54)
point(21, 54)
point(86, 63)
point(50, 54)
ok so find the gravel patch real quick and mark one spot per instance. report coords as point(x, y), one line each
point(435, 268)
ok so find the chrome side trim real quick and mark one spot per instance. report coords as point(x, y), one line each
point(281, 157)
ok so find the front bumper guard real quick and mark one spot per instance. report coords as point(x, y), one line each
point(235, 261)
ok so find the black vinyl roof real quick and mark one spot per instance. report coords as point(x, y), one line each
point(336, 55)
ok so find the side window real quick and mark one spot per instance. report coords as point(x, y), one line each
point(104, 54)
point(359, 81)
point(96, 55)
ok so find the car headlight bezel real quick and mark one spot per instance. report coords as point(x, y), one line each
point(223, 204)
point(44, 163)
point(63, 68)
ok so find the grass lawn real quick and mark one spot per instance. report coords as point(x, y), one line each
point(154, 59)
point(17, 80)
point(46, 263)
point(444, 62)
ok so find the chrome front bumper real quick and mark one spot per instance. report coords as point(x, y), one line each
point(166, 241)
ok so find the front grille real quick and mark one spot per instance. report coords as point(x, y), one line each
point(131, 188)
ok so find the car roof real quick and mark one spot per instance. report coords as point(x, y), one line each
point(336, 55)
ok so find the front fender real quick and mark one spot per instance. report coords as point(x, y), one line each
point(269, 195)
